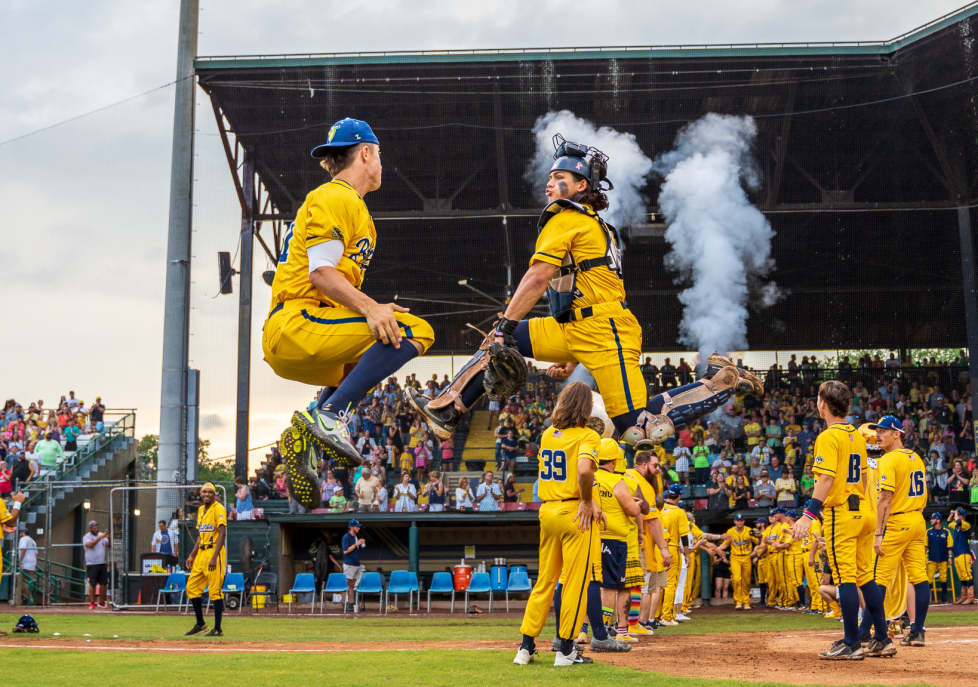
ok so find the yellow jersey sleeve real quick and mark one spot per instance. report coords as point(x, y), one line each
point(5, 515)
point(559, 235)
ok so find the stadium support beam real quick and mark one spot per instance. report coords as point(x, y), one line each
point(970, 293)
point(243, 405)
point(176, 307)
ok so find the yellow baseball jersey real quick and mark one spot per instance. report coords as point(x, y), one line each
point(742, 542)
point(785, 537)
point(5, 517)
point(572, 233)
point(653, 557)
point(840, 451)
point(617, 518)
point(903, 473)
point(678, 525)
point(772, 535)
point(208, 520)
point(332, 212)
point(560, 449)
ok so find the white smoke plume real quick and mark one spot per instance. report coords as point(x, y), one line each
point(628, 166)
point(721, 244)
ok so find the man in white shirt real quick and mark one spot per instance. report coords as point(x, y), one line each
point(366, 489)
point(28, 561)
point(95, 569)
point(488, 494)
point(161, 540)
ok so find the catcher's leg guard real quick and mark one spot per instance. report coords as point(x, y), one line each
point(667, 412)
point(445, 410)
point(747, 385)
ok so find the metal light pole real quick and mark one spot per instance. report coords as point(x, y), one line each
point(176, 318)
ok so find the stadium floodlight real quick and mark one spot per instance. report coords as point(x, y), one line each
point(136, 512)
point(87, 504)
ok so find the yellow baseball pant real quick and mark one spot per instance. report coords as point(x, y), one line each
point(940, 569)
point(849, 543)
point(762, 570)
point(672, 583)
point(309, 343)
point(692, 581)
point(904, 541)
point(569, 555)
point(740, 579)
point(794, 576)
point(818, 603)
point(201, 578)
point(777, 570)
point(608, 344)
point(895, 602)
point(962, 567)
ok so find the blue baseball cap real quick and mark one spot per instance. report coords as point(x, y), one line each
point(346, 132)
point(961, 511)
point(738, 516)
point(353, 523)
point(888, 422)
point(674, 490)
point(761, 521)
point(792, 514)
point(936, 516)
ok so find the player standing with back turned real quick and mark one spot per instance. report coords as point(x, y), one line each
point(840, 488)
point(570, 523)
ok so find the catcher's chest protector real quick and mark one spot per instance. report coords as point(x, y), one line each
point(562, 289)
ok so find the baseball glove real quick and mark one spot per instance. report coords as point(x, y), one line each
point(505, 373)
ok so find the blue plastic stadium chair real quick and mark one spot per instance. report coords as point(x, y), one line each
point(305, 583)
point(370, 583)
point(176, 583)
point(233, 584)
point(441, 583)
point(403, 582)
point(335, 584)
point(479, 584)
point(519, 582)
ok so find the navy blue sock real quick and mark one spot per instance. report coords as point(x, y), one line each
point(379, 362)
point(763, 593)
point(943, 592)
point(801, 594)
point(218, 613)
point(594, 614)
point(558, 592)
point(874, 607)
point(849, 602)
point(198, 605)
point(922, 594)
point(866, 625)
point(522, 336)
point(324, 395)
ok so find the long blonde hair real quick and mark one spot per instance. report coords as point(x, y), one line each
point(463, 483)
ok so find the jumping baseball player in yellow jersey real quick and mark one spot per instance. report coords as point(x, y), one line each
point(740, 541)
point(620, 507)
point(809, 547)
point(840, 487)
point(901, 532)
point(208, 561)
point(675, 523)
point(657, 558)
point(963, 559)
point(577, 262)
point(321, 328)
point(570, 530)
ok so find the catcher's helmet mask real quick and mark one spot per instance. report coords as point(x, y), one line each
point(583, 160)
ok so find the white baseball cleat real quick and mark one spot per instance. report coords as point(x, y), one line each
point(523, 657)
point(572, 659)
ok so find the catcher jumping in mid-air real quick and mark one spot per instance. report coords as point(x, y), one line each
point(321, 328)
point(577, 263)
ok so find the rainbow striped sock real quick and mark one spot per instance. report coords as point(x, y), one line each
point(635, 607)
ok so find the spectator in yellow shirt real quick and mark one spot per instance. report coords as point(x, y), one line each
point(752, 430)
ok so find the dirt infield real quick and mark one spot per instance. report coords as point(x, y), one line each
point(783, 657)
point(790, 658)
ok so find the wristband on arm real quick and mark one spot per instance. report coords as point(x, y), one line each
point(814, 508)
point(506, 328)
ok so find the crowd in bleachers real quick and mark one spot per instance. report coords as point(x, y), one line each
point(759, 452)
point(35, 440)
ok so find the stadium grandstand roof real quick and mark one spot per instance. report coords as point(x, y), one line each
point(867, 151)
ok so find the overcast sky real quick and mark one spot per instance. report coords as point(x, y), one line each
point(85, 203)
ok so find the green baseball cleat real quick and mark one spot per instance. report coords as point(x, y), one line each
point(300, 459)
point(330, 432)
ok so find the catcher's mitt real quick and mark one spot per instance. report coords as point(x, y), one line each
point(505, 373)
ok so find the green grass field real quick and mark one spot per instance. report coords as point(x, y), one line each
point(454, 668)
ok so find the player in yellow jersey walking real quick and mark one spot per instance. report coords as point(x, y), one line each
point(840, 488)
point(570, 530)
point(321, 328)
point(656, 550)
point(740, 541)
point(674, 521)
point(208, 561)
point(901, 532)
point(961, 553)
